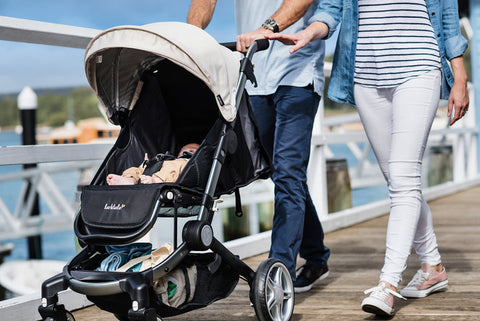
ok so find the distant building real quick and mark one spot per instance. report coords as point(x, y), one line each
point(85, 131)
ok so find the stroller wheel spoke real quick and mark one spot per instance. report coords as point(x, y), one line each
point(271, 303)
point(275, 311)
point(270, 284)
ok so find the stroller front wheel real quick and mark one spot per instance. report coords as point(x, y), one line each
point(273, 294)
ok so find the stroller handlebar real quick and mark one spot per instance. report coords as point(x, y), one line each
point(262, 44)
point(230, 45)
point(246, 67)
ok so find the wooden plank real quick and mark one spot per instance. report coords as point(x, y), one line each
point(355, 263)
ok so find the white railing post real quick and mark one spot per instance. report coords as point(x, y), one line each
point(459, 158)
point(472, 28)
point(317, 169)
point(253, 219)
point(471, 141)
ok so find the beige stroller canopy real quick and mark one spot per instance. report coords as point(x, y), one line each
point(116, 58)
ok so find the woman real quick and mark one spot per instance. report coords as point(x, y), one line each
point(391, 63)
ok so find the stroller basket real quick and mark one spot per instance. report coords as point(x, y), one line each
point(207, 279)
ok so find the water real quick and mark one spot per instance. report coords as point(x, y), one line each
point(55, 246)
point(360, 196)
point(61, 246)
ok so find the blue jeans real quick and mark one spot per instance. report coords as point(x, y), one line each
point(285, 122)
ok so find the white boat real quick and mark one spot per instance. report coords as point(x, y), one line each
point(21, 277)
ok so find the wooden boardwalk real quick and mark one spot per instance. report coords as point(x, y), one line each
point(355, 262)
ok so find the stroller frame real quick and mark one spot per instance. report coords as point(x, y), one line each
point(271, 288)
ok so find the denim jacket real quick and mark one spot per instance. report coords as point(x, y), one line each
point(443, 16)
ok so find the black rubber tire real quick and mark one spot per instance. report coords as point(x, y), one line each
point(272, 291)
point(69, 316)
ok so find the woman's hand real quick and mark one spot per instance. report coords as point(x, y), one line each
point(458, 98)
point(317, 30)
point(298, 40)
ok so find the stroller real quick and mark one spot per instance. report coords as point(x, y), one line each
point(168, 84)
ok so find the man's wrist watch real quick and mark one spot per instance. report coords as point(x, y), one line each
point(271, 24)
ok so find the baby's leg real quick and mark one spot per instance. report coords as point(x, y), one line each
point(113, 179)
point(145, 179)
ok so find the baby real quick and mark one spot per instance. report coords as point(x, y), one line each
point(169, 172)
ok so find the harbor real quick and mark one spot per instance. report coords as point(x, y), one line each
point(41, 184)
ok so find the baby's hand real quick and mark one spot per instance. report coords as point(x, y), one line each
point(145, 179)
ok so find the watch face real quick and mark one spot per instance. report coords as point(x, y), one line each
point(271, 24)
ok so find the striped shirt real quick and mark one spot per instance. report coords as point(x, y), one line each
point(396, 42)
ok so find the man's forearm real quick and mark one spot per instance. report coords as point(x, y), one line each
point(290, 12)
point(201, 12)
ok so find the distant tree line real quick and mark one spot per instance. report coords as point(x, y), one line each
point(54, 108)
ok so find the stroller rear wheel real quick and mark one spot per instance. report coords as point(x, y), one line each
point(273, 294)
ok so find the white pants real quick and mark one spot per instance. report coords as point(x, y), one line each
point(397, 122)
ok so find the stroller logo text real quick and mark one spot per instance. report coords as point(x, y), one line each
point(114, 207)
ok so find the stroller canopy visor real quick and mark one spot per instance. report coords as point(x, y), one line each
point(116, 59)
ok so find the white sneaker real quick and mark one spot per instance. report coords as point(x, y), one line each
point(380, 300)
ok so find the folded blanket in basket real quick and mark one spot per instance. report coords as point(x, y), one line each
point(121, 254)
point(148, 261)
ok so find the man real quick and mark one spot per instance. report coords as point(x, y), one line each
point(284, 103)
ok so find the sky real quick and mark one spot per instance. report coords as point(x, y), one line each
point(42, 66)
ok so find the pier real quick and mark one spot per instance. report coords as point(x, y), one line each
point(357, 254)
